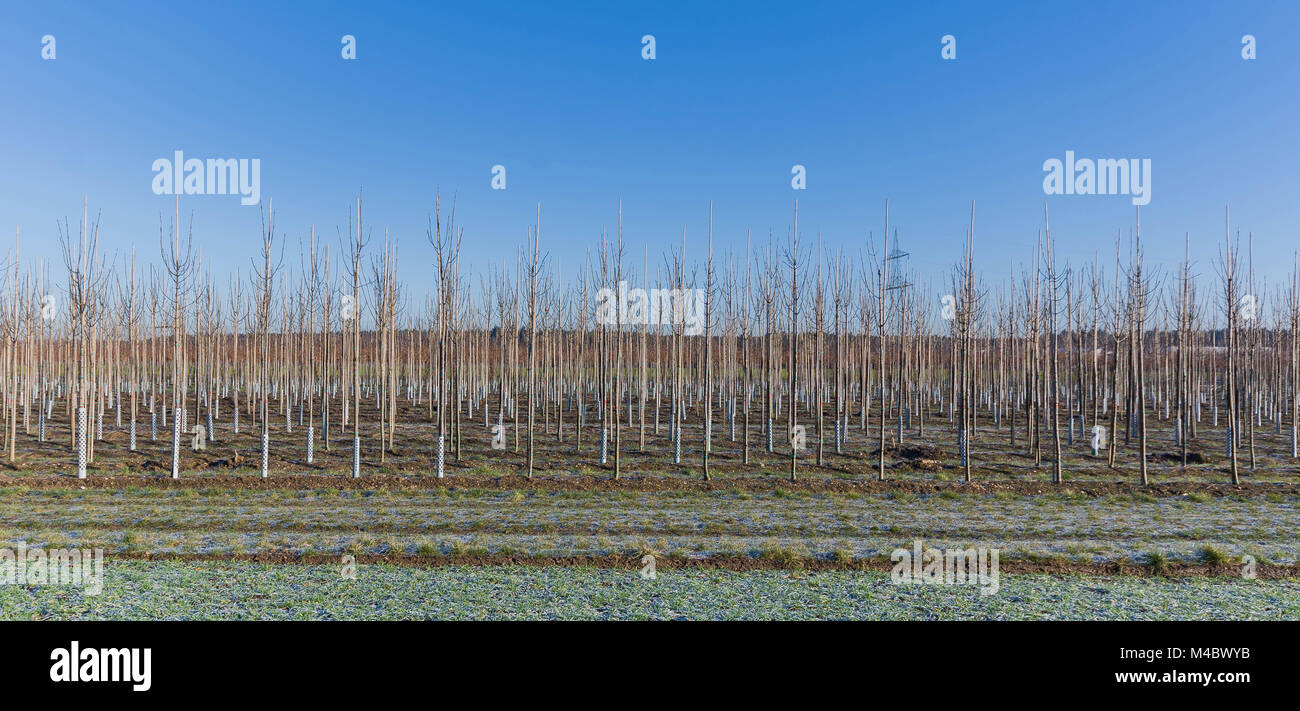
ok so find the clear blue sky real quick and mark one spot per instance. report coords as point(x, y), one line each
point(739, 92)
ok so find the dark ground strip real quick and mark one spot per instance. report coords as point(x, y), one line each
point(641, 483)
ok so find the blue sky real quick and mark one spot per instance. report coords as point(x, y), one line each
point(738, 93)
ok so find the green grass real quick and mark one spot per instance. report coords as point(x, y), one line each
point(1213, 556)
point(145, 590)
point(549, 523)
point(1157, 561)
point(789, 556)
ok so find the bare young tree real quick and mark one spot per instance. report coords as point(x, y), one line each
point(263, 278)
point(965, 318)
point(351, 314)
point(708, 350)
point(792, 262)
point(179, 263)
point(535, 265)
point(1232, 307)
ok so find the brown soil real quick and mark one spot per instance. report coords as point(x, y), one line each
point(1177, 457)
point(927, 450)
point(636, 483)
point(911, 451)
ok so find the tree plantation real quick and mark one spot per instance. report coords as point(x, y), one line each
point(775, 357)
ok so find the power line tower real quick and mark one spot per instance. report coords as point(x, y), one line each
point(896, 267)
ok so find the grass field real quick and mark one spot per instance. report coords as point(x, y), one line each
point(737, 551)
point(1061, 527)
point(225, 590)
